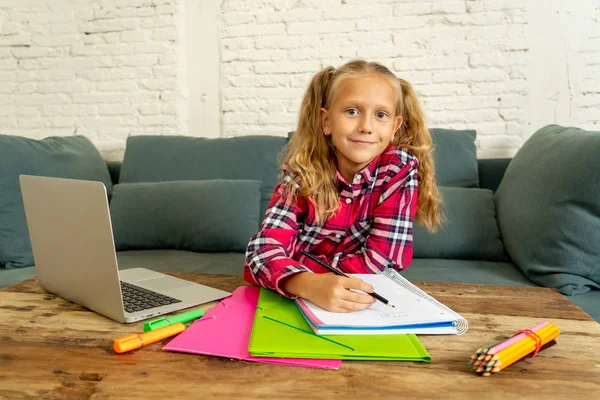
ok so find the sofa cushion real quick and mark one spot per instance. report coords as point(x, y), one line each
point(470, 232)
point(62, 157)
point(549, 209)
point(170, 158)
point(466, 271)
point(212, 215)
point(183, 261)
point(455, 157)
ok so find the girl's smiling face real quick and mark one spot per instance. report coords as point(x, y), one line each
point(361, 120)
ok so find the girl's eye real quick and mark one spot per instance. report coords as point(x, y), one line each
point(352, 111)
point(381, 115)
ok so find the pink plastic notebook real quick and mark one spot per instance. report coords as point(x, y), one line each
point(224, 331)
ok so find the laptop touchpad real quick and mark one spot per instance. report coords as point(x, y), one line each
point(163, 283)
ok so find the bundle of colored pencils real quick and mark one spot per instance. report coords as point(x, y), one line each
point(495, 357)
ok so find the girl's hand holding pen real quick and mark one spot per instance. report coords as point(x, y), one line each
point(330, 292)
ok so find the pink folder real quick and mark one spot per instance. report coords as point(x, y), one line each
point(224, 331)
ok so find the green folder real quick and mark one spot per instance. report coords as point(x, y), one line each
point(280, 330)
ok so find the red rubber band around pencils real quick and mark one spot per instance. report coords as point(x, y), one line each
point(536, 338)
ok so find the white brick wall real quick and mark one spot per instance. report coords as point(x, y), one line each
point(104, 69)
point(483, 64)
point(112, 68)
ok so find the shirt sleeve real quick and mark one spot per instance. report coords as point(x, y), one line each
point(268, 254)
point(389, 244)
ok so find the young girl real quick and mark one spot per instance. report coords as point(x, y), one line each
point(349, 193)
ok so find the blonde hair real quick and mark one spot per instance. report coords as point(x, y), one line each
point(311, 156)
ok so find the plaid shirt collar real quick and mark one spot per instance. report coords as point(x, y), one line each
point(365, 177)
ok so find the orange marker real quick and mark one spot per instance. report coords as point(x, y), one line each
point(135, 340)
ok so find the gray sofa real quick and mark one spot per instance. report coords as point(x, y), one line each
point(467, 251)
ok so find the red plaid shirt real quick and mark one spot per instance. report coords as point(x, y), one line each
point(371, 231)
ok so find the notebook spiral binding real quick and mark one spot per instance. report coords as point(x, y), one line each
point(460, 323)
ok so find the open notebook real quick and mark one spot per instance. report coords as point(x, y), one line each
point(415, 311)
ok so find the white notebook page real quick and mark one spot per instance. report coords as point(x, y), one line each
point(409, 307)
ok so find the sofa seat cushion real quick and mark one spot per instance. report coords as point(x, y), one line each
point(183, 261)
point(588, 302)
point(466, 271)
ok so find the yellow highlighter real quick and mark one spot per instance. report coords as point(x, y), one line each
point(137, 340)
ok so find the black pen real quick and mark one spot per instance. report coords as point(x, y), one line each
point(340, 273)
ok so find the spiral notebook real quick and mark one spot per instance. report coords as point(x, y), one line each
point(415, 312)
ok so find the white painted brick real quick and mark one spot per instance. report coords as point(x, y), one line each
point(299, 28)
point(8, 87)
point(30, 52)
point(100, 98)
point(236, 18)
point(69, 110)
point(157, 120)
point(512, 86)
point(41, 99)
point(145, 48)
point(140, 35)
point(109, 25)
point(444, 90)
point(416, 8)
point(115, 13)
point(22, 39)
point(149, 109)
point(500, 141)
point(513, 114)
point(6, 76)
point(168, 33)
point(118, 86)
point(239, 43)
point(27, 88)
point(288, 42)
point(134, 60)
point(470, 75)
point(503, 4)
point(432, 62)
point(500, 58)
point(28, 111)
point(250, 55)
point(161, 72)
point(101, 50)
point(159, 21)
point(448, 7)
point(253, 30)
point(117, 109)
point(75, 86)
point(274, 80)
point(513, 100)
point(8, 122)
point(263, 67)
point(8, 110)
point(302, 14)
point(165, 9)
point(391, 23)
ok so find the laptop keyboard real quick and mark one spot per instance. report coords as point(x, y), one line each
point(136, 298)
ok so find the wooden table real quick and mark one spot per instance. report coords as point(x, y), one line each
point(52, 348)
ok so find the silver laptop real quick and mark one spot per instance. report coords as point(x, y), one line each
point(74, 254)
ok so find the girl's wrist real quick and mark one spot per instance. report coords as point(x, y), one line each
point(296, 283)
